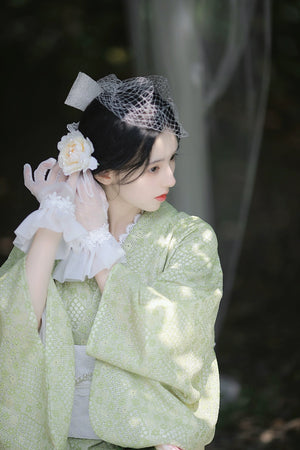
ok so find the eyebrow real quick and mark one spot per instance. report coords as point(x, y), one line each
point(163, 159)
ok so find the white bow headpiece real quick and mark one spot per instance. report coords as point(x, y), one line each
point(83, 91)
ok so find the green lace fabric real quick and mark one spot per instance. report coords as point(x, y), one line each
point(151, 332)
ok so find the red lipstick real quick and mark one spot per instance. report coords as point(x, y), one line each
point(161, 198)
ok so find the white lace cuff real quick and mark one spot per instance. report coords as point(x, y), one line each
point(55, 213)
point(89, 255)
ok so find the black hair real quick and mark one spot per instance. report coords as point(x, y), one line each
point(117, 145)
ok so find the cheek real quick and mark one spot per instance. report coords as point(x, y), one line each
point(131, 192)
point(137, 190)
point(140, 185)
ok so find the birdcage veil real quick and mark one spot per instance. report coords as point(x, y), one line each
point(140, 101)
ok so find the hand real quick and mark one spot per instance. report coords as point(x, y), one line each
point(166, 447)
point(94, 253)
point(49, 178)
point(90, 202)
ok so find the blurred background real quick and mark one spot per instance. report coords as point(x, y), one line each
point(234, 71)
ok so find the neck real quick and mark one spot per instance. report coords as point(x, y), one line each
point(120, 215)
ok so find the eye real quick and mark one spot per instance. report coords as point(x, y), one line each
point(153, 169)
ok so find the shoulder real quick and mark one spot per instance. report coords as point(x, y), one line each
point(190, 242)
point(184, 226)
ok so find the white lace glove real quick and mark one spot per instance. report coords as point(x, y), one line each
point(98, 249)
point(56, 193)
point(47, 178)
point(91, 202)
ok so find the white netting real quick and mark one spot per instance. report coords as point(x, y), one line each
point(141, 101)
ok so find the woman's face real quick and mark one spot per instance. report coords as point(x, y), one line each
point(147, 191)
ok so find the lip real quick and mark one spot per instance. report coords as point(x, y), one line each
point(161, 198)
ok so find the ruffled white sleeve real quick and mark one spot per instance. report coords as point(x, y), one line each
point(55, 213)
point(88, 255)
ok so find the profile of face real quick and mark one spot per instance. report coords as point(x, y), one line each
point(148, 187)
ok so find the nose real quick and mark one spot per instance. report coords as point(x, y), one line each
point(171, 181)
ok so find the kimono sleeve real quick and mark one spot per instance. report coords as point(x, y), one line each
point(36, 381)
point(164, 330)
point(22, 360)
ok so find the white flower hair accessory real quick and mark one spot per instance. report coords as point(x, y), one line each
point(75, 153)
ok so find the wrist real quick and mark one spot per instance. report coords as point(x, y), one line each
point(89, 255)
point(57, 192)
point(101, 278)
point(55, 201)
point(94, 238)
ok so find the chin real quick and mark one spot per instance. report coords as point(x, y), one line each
point(152, 208)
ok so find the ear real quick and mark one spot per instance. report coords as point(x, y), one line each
point(106, 177)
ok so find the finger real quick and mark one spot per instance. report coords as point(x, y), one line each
point(27, 174)
point(101, 192)
point(56, 174)
point(61, 176)
point(80, 189)
point(42, 169)
point(72, 180)
point(88, 181)
point(94, 187)
point(98, 189)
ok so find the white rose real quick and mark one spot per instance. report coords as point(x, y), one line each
point(75, 153)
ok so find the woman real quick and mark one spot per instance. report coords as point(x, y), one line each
point(109, 299)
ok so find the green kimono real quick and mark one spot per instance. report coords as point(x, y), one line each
point(152, 333)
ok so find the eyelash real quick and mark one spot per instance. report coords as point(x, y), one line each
point(154, 169)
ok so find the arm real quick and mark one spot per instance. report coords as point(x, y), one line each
point(154, 342)
point(39, 265)
point(41, 232)
point(163, 330)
